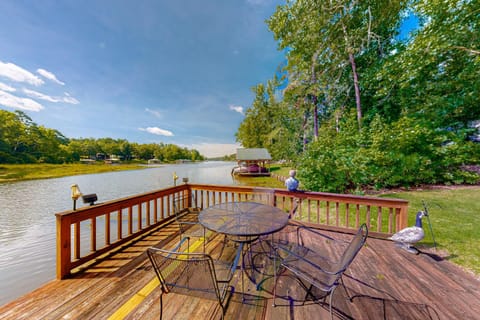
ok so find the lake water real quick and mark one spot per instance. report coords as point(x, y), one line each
point(27, 214)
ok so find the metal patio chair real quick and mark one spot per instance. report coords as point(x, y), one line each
point(186, 215)
point(193, 274)
point(312, 268)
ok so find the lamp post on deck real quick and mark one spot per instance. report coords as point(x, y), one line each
point(75, 195)
point(175, 178)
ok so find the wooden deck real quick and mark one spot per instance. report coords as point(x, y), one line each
point(385, 282)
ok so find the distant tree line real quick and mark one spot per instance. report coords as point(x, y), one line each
point(23, 141)
point(357, 106)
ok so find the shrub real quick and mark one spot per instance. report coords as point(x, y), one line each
point(381, 155)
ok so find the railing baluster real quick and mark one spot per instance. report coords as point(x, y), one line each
point(308, 210)
point(368, 216)
point(93, 234)
point(357, 216)
point(130, 220)
point(76, 235)
point(139, 216)
point(379, 220)
point(327, 209)
point(347, 215)
point(148, 213)
point(119, 224)
point(107, 229)
point(337, 213)
point(390, 220)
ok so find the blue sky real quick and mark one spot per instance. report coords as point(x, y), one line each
point(147, 71)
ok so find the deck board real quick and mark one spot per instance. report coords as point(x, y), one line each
point(385, 282)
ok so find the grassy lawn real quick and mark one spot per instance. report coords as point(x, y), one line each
point(15, 172)
point(455, 218)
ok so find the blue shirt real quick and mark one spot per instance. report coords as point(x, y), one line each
point(291, 184)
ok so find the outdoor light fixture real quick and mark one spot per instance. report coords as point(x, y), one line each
point(175, 178)
point(75, 195)
point(90, 198)
point(185, 180)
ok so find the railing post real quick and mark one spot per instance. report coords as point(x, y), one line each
point(63, 246)
point(188, 191)
point(402, 218)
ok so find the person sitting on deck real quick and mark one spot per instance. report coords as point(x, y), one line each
point(292, 183)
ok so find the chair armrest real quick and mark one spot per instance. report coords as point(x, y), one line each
point(297, 255)
point(315, 232)
point(316, 237)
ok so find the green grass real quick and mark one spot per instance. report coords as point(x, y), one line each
point(455, 219)
point(17, 172)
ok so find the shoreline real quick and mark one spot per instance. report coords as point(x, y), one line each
point(26, 172)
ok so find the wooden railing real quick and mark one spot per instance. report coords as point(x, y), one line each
point(89, 232)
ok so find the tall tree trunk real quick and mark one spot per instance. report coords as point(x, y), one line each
point(314, 99)
point(315, 118)
point(305, 137)
point(357, 89)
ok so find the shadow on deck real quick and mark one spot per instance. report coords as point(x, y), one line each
point(384, 283)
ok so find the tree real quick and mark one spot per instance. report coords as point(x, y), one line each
point(323, 37)
point(250, 133)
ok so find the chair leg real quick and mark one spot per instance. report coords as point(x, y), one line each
point(346, 290)
point(330, 302)
point(274, 278)
point(204, 239)
point(161, 305)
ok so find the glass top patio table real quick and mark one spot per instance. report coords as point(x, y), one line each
point(244, 219)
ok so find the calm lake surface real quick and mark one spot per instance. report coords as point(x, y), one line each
point(27, 214)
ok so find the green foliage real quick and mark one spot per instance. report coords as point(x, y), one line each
point(23, 141)
point(383, 155)
point(417, 95)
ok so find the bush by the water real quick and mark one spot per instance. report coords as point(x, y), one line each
point(381, 155)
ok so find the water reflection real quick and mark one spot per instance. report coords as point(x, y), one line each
point(27, 220)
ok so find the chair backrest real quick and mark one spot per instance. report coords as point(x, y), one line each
point(351, 251)
point(353, 247)
point(186, 273)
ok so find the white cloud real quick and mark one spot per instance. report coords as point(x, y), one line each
point(38, 95)
point(12, 101)
point(154, 112)
point(18, 74)
point(5, 87)
point(157, 131)
point(238, 109)
point(69, 99)
point(50, 76)
point(258, 2)
point(213, 150)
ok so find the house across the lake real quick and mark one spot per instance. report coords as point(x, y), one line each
point(252, 162)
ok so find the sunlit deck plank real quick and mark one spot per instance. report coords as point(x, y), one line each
point(386, 283)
